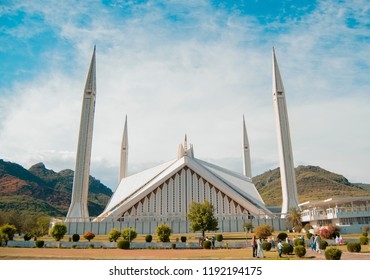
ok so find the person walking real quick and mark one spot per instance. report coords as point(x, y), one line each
point(280, 248)
point(254, 246)
point(318, 243)
point(259, 249)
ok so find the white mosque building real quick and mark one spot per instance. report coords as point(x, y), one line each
point(163, 194)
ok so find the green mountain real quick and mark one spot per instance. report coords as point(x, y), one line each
point(41, 190)
point(313, 183)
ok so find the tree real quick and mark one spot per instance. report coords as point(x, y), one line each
point(114, 234)
point(263, 231)
point(8, 231)
point(58, 231)
point(248, 226)
point(201, 217)
point(129, 234)
point(163, 232)
point(89, 235)
point(293, 219)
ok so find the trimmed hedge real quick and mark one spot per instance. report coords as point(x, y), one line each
point(75, 237)
point(300, 251)
point(148, 238)
point(323, 244)
point(364, 240)
point(219, 237)
point(287, 248)
point(207, 244)
point(123, 244)
point(266, 246)
point(282, 236)
point(354, 247)
point(39, 243)
point(333, 254)
point(298, 242)
point(183, 239)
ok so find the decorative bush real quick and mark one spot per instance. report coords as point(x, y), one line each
point(129, 234)
point(123, 244)
point(364, 240)
point(27, 236)
point(91, 246)
point(333, 254)
point(308, 235)
point(173, 245)
point(148, 238)
point(263, 231)
point(266, 246)
point(58, 231)
point(8, 231)
point(75, 237)
point(207, 244)
point(282, 236)
point(183, 239)
point(114, 234)
point(354, 247)
point(299, 251)
point(364, 233)
point(298, 242)
point(40, 243)
point(219, 237)
point(325, 233)
point(323, 244)
point(287, 248)
point(89, 235)
point(163, 233)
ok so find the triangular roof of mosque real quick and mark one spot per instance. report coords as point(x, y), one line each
point(135, 187)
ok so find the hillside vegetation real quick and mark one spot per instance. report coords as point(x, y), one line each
point(43, 191)
point(313, 183)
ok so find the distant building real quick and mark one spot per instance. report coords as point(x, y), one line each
point(350, 214)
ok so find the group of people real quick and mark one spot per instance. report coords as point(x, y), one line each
point(257, 247)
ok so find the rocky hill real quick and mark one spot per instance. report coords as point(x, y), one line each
point(41, 190)
point(313, 183)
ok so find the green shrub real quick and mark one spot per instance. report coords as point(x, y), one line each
point(74, 246)
point(183, 239)
point(266, 246)
point(173, 245)
point(298, 242)
point(300, 251)
point(123, 244)
point(8, 231)
point(207, 244)
point(164, 233)
point(308, 235)
point(364, 233)
point(114, 234)
point(364, 240)
point(27, 236)
point(354, 247)
point(333, 254)
point(282, 236)
point(287, 248)
point(263, 231)
point(219, 237)
point(39, 243)
point(75, 237)
point(148, 238)
point(129, 234)
point(323, 244)
point(58, 231)
point(91, 246)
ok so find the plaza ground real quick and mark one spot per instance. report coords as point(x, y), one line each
point(8, 253)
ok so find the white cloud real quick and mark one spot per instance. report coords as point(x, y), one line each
point(197, 76)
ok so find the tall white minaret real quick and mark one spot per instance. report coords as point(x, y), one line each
point(287, 173)
point(247, 166)
point(78, 209)
point(124, 153)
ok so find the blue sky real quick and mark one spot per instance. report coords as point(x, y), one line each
point(192, 67)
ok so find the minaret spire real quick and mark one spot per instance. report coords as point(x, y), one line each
point(78, 208)
point(124, 153)
point(247, 167)
point(287, 172)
